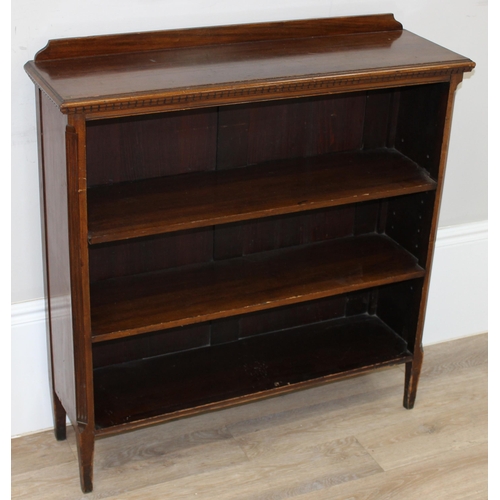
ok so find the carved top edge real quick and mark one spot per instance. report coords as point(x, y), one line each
point(277, 90)
point(103, 45)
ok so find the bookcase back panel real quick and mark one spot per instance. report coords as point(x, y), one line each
point(149, 345)
point(234, 240)
point(255, 133)
point(142, 147)
point(303, 314)
point(150, 254)
point(380, 118)
point(219, 331)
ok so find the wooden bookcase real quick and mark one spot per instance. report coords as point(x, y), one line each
point(235, 212)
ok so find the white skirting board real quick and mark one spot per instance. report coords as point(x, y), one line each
point(457, 307)
point(458, 296)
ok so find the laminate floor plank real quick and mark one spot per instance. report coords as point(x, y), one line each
point(454, 475)
point(441, 389)
point(39, 450)
point(286, 472)
point(350, 439)
point(455, 355)
point(58, 482)
point(450, 417)
point(416, 438)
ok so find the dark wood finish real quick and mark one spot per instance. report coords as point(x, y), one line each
point(273, 233)
point(408, 221)
point(259, 132)
point(51, 134)
point(172, 143)
point(235, 212)
point(153, 344)
point(75, 141)
point(190, 201)
point(414, 367)
point(256, 367)
point(158, 252)
point(143, 303)
point(212, 73)
point(58, 411)
point(419, 135)
point(177, 39)
point(85, 440)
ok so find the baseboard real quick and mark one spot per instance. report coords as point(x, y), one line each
point(457, 307)
point(30, 394)
point(24, 313)
point(458, 294)
point(474, 232)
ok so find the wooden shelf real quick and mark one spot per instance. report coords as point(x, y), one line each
point(169, 386)
point(189, 201)
point(154, 301)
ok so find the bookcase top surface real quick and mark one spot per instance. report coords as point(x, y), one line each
point(198, 67)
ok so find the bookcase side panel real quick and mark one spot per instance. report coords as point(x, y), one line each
point(57, 254)
point(398, 305)
point(421, 122)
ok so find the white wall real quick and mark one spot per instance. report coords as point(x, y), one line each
point(460, 25)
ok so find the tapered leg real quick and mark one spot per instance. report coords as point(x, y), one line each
point(59, 418)
point(85, 444)
point(412, 376)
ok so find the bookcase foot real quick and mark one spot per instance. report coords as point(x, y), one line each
point(85, 444)
point(59, 418)
point(412, 376)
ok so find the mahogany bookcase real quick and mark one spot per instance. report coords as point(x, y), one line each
point(235, 212)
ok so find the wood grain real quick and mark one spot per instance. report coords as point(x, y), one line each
point(454, 474)
point(165, 387)
point(175, 39)
point(57, 253)
point(190, 201)
point(137, 304)
point(225, 72)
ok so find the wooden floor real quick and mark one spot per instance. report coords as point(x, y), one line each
point(349, 440)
